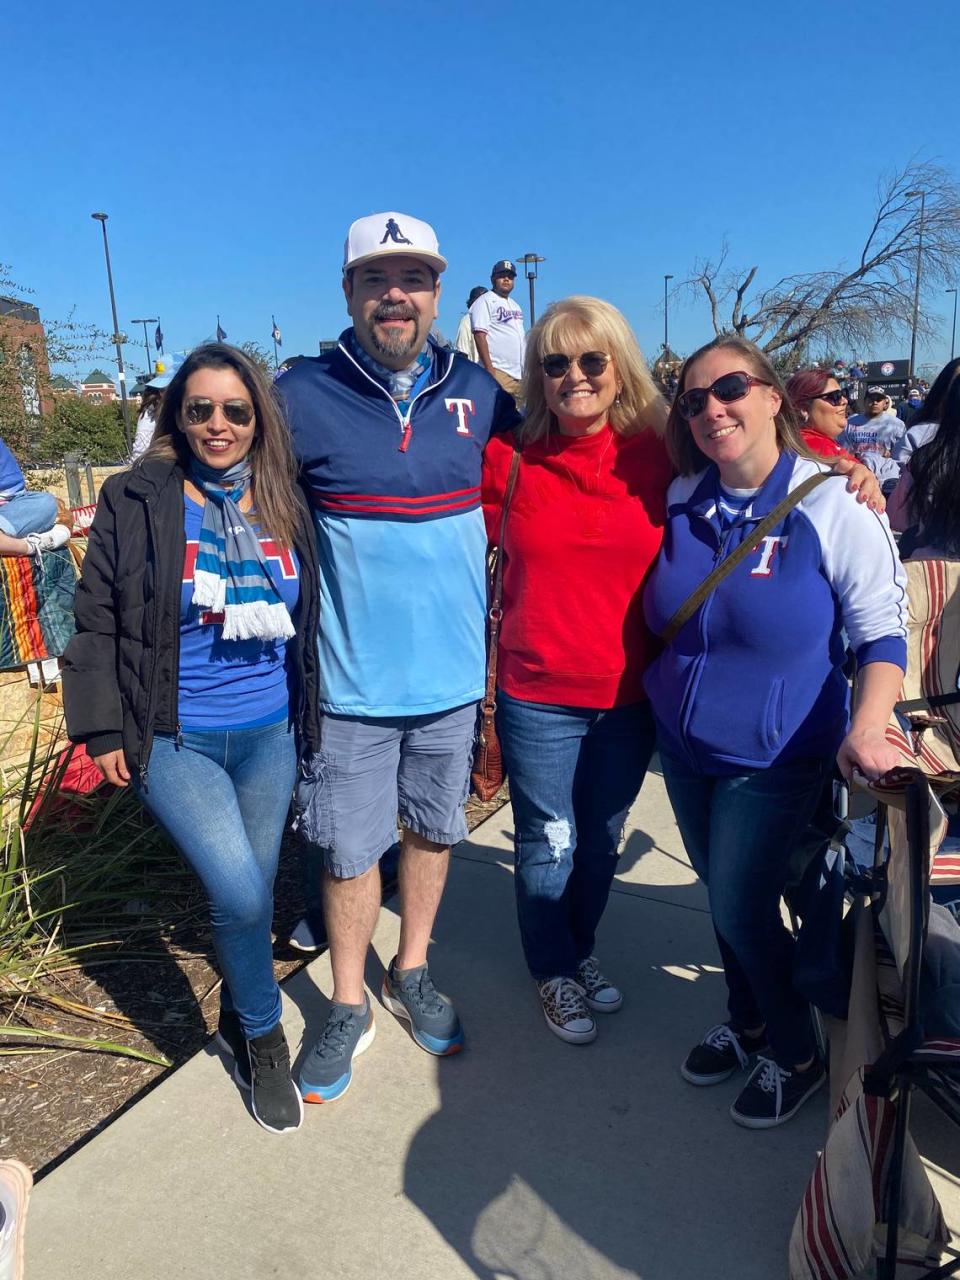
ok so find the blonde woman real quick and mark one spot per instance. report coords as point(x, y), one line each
point(584, 526)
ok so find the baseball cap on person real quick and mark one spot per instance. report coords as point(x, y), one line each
point(503, 268)
point(876, 393)
point(382, 235)
point(166, 366)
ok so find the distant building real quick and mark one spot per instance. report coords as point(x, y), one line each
point(23, 340)
point(98, 388)
point(61, 386)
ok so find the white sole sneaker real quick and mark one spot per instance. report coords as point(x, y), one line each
point(571, 1037)
point(603, 1006)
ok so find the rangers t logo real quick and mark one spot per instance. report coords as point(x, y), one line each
point(767, 550)
point(461, 408)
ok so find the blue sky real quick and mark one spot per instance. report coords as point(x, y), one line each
point(232, 144)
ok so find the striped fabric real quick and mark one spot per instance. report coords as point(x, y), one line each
point(36, 607)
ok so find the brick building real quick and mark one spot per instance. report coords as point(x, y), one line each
point(24, 343)
point(98, 387)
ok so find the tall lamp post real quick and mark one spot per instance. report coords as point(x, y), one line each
point(953, 335)
point(911, 195)
point(666, 322)
point(146, 340)
point(530, 262)
point(118, 338)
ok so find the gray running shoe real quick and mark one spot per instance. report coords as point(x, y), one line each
point(328, 1068)
point(433, 1020)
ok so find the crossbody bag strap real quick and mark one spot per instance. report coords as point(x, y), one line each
point(749, 545)
point(495, 612)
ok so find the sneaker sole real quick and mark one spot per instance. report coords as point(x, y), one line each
point(21, 1179)
point(321, 1093)
point(430, 1044)
point(290, 1128)
point(691, 1077)
point(764, 1122)
point(570, 1037)
point(602, 1006)
point(305, 949)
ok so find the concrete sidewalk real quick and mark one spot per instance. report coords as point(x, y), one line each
point(520, 1159)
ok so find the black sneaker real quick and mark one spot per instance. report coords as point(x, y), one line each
point(230, 1039)
point(721, 1052)
point(433, 1020)
point(773, 1094)
point(275, 1100)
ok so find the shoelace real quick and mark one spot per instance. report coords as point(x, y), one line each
point(423, 992)
point(567, 997)
point(589, 975)
point(335, 1036)
point(722, 1036)
point(770, 1079)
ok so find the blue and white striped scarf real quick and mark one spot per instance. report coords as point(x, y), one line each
point(231, 575)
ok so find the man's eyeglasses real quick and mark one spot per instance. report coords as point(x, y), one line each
point(592, 364)
point(727, 388)
point(836, 398)
point(239, 413)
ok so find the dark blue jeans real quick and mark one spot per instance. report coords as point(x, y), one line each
point(739, 833)
point(222, 796)
point(573, 773)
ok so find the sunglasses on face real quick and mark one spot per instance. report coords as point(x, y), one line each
point(239, 413)
point(591, 363)
point(836, 398)
point(727, 388)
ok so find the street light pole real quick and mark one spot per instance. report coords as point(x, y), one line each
point(953, 337)
point(531, 261)
point(666, 326)
point(118, 337)
point(146, 340)
point(911, 195)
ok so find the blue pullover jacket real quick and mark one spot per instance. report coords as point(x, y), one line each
point(396, 501)
point(754, 678)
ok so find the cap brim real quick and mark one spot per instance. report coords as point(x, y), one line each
point(399, 251)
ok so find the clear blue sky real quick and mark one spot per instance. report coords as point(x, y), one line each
point(232, 144)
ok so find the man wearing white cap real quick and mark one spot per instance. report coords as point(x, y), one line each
point(390, 430)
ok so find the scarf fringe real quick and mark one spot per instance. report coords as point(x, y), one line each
point(257, 620)
point(209, 590)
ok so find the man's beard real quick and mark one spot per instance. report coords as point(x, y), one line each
point(394, 344)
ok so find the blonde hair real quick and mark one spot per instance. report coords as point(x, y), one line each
point(577, 324)
point(684, 453)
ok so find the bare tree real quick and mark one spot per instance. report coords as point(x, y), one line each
point(847, 307)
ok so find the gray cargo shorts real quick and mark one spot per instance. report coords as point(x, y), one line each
point(368, 771)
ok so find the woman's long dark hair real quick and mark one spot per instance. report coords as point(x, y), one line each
point(274, 487)
point(932, 406)
point(934, 502)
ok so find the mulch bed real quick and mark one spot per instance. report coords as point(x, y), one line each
point(54, 1101)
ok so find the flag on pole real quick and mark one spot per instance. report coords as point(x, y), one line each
point(158, 338)
point(221, 332)
point(276, 334)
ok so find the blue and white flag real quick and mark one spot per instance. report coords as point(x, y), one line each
point(221, 332)
point(158, 339)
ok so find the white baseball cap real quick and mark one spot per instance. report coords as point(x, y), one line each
point(382, 235)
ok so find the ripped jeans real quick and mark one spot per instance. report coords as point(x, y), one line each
point(574, 772)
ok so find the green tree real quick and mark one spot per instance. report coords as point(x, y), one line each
point(94, 431)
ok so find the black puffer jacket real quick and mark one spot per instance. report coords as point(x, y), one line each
point(121, 669)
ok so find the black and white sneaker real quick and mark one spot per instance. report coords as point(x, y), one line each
point(274, 1098)
point(773, 1094)
point(231, 1040)
point(565, 1010)
point(599, 993)
point(721, 1052)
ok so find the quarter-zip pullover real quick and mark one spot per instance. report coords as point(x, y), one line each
point(396, 501)
point(755, 677)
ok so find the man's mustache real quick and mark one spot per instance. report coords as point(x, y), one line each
point(399, 311)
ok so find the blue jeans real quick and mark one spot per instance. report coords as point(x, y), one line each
point(28, 513)
point(739, 833)
point(222, 796)
point(573, 773)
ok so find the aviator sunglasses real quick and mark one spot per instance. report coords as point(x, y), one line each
point(239, 413)
point(836, 398)
point(727, 388)
point(592, 364)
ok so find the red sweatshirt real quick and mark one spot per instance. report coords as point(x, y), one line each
point(583, 530)
point(822, 445)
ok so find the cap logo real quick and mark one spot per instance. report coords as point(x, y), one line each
point(393, 232)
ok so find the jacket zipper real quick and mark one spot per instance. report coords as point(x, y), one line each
point(146, 744)
point(406, 430)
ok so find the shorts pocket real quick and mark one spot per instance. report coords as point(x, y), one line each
point(313, 799)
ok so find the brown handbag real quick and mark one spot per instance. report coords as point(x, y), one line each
point(487, 773)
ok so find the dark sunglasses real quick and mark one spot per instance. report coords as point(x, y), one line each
point(836, 398)
point(592, 364)
point(239, 413)
point(726, 389)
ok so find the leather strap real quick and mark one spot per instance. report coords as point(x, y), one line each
point(495, 612)
point(749, 545)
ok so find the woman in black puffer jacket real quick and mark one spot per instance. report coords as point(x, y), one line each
point(193, 673)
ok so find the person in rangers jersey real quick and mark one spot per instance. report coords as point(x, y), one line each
point(389, 429)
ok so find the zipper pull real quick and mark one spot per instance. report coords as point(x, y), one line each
point(405, 438)
point(179, 736)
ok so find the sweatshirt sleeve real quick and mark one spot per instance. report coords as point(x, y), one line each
point(861, 564)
